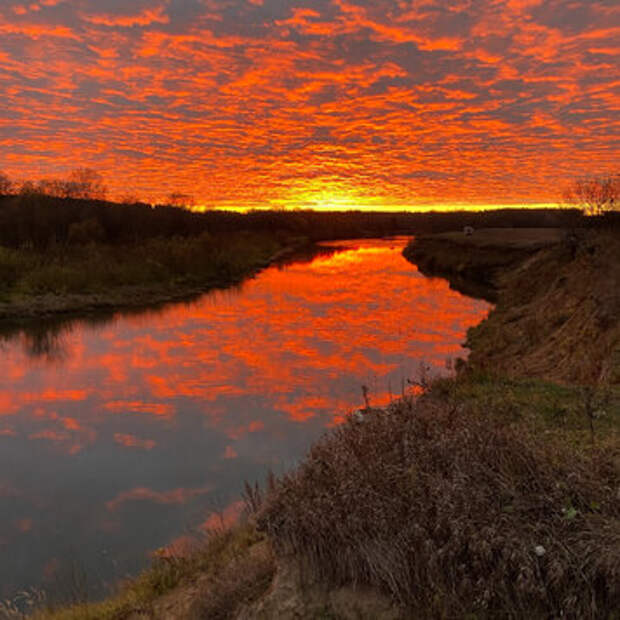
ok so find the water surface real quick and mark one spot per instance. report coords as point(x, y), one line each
point(121, 435)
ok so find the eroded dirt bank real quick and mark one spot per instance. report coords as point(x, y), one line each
point(557, 299)
point(473, 263)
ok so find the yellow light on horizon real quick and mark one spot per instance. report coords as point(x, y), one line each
point(380, 207)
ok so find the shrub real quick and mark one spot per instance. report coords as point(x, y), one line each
point(455, 513)
point(12, 266)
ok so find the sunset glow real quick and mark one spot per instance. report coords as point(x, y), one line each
point(321, 104)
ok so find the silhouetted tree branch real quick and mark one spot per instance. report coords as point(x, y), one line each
point(5, 184)
point(178, 199)
point(595, 195)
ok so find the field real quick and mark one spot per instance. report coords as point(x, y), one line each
point(504, 238)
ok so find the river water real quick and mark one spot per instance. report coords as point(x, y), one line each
point(130, 432)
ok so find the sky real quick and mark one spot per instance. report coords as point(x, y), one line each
point(313, 103)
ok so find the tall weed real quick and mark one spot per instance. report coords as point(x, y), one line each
point(455, 514)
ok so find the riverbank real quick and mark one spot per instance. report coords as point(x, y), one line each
point(494, 494)
point(473, 263)
point(99, 278)
point(557, 299)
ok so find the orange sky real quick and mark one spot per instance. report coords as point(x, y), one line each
point(313, 103)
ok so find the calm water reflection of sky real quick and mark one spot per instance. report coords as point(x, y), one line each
point(118, 437)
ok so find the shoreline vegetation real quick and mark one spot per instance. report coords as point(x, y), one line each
point(99, 278)
point(494, 493)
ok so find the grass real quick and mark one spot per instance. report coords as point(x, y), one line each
point(98, 267)
point(557, 316)
point(514, 238)
point(234, 566)
point(455, 504)
point(541, 406)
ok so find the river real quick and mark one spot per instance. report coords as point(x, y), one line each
point(122, 434)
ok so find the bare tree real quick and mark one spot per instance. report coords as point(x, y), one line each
point(178, 199)
point(5, 184)
point(27, 188)
point(595, 195)
point(86, 183)
point(82, 183)
point(51, 187)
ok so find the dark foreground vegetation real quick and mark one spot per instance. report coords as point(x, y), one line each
point(458, 508)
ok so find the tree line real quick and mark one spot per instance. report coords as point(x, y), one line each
point(74, 211)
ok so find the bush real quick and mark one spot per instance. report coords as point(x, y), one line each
point(454, 514)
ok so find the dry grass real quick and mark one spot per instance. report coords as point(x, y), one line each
point(242, 581)
point(211, 581)
point(99, 267)
point(557, 315)
point(503, 238)
point(454, 510)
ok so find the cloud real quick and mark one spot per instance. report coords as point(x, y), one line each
point(159, 410)
point(335, 101)
point(131, 441)
point(145, 17)
point(173, 496)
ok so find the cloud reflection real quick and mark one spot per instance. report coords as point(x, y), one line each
point(149, 420)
